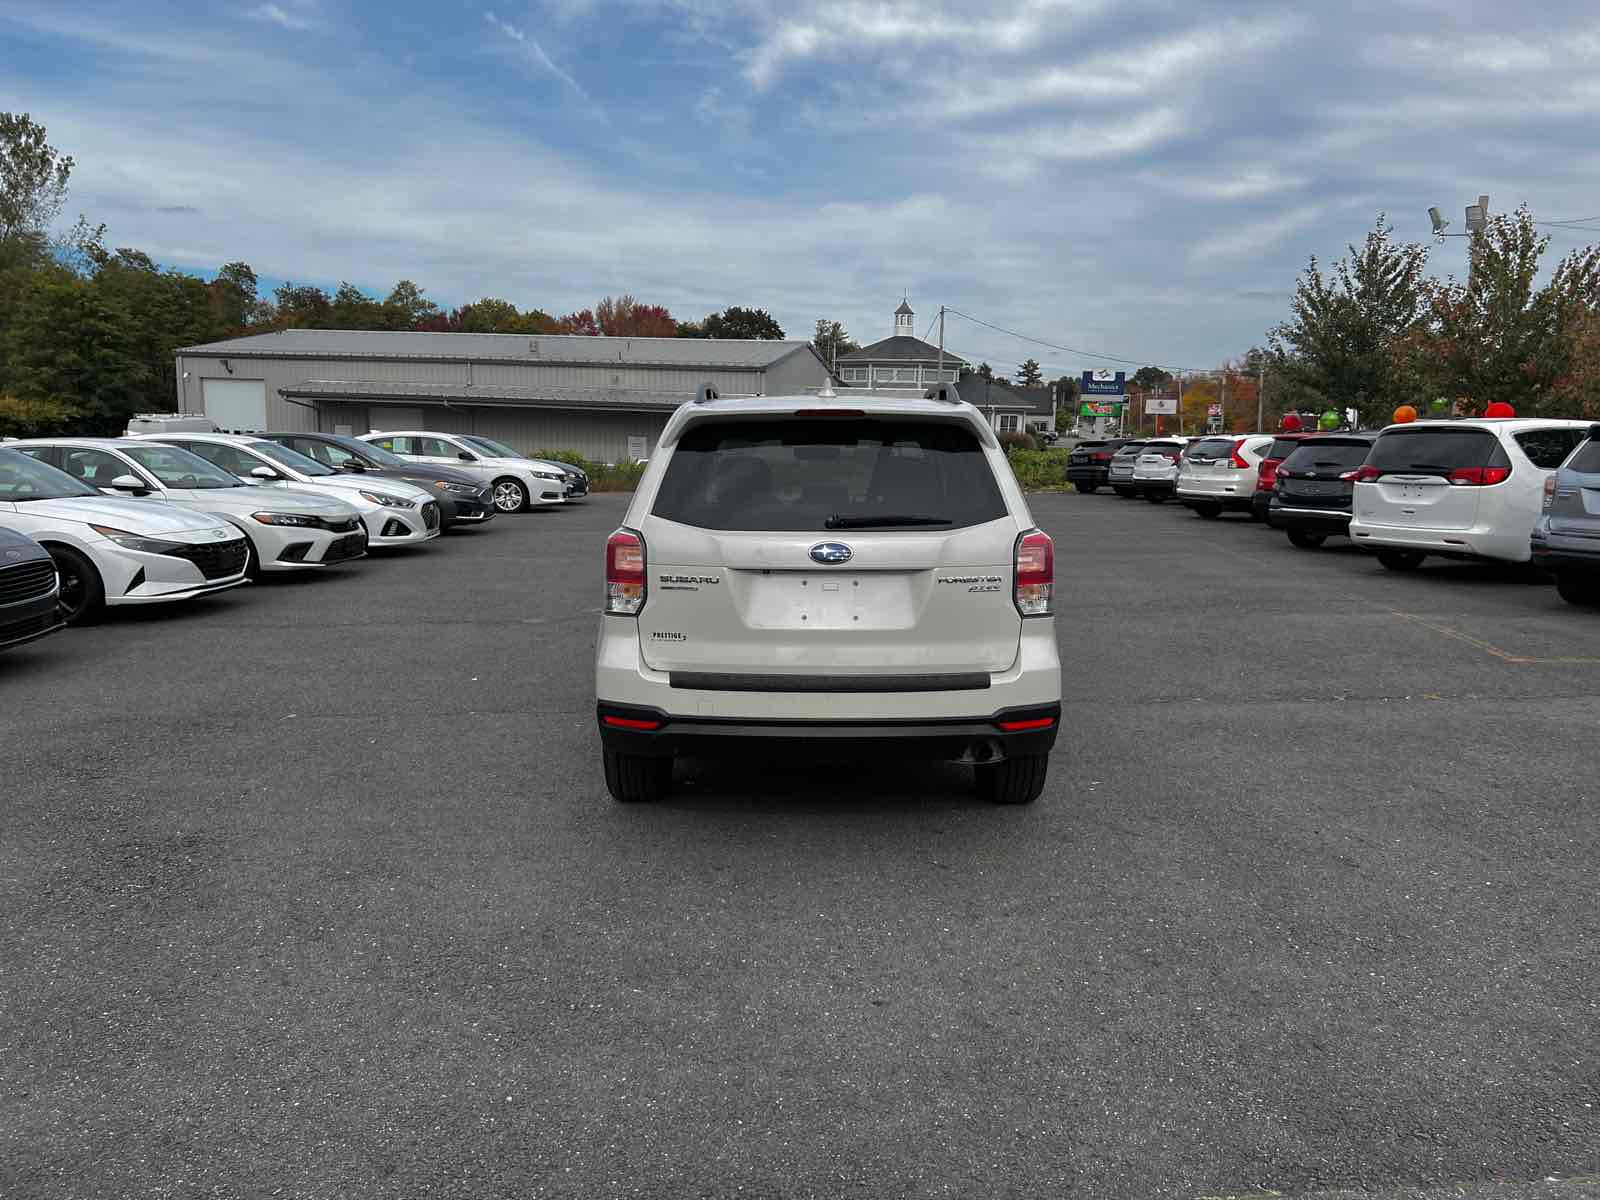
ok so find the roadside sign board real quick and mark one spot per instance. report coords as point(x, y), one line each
point(1160, 406)
point(1213, 410)
point(1099, 408)
point(1103, 382)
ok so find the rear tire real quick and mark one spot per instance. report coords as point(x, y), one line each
point(1155, 497)
point(1582, 590)
point(1305, 539)
point(83, 593)
point(1015, 780)
point(1125, 492)
point(1401, 560)
point(1088, 489)
point(635, 778)
point(1209, 511)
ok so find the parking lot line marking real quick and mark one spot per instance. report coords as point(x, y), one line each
point(1491, 649)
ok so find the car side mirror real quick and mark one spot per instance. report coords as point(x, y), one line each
point(129, 483)
point(467, 456)
point(263, 473)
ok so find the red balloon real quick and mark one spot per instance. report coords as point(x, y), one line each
point(1499, 409)
point(1289, 423)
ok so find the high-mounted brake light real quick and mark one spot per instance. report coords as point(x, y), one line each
point(830, 412)
point(1035, 572)
point(1367, 473)
point(1239, 464)
point(1479, 476)
point(625, 583)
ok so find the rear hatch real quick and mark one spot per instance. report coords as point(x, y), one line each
point(1208, 466)
point(1121, 465)
point(1429, 477)
point(830, 546)
point(1091, 454)
point(1320, 473)
point(1575, 505)
point(1158, 460)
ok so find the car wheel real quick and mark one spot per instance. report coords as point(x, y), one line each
point(1401, 560)
point(1125, 493)
point(83, 595)
point(1209, 511)
point(1580, 589)
point(632, 778)
point(1305, 539)
point(1016, 780)
point(1088, 489)
point(510, 495)
point(1155, 498)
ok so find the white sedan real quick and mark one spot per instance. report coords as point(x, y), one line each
point(394, 512)
point(519, 483)
point(117, 552)
point(289, 530)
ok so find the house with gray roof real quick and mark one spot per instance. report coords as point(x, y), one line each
point(605, 397)
point(901, 362)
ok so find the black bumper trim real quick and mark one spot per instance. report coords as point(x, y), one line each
point(709, 681)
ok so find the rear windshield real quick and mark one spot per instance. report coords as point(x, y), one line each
point(1587, 460)
point(1328, 453)
point(1435, 451)
point(1132, 448)
point(1161, 447)
point(1282, 447)
point(1091, 445)
point(1550, 447)
point(829, 474)
point(1211, 449)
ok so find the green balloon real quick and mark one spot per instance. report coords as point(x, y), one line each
point(1329, 420)
point(1438, 404)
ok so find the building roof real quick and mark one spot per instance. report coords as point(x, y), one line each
point(904, 310)
point(531, 396)
point(901, 349)
point(719, 353)
point(981, 393)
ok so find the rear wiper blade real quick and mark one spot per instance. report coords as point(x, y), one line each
point(838, 521)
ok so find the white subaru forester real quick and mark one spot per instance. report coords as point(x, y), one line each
point(828, 575)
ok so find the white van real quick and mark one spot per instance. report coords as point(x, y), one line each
point(168, 423)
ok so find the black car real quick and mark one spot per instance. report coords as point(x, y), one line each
point(463, 500)
point(1089, 463)
point(30, 591)
point(1314, 486)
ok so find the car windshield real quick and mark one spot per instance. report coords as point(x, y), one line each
point(177, 468)
point(1433, 451)
point(292, 459)
point(494, 449)
point(1211, 449)
point(1587, 460)
point(829, 474)
point(1282, 447)
point(23, 478)
point(1131, 448)
point(1328, 454)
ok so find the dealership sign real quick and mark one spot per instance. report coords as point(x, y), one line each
point(1103, 382)
point(1160, 406)
point(1100, 408)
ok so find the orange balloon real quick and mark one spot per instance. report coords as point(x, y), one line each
point(1404, 415)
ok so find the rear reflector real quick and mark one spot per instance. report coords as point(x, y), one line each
point(625, 585)
point(630, 723)
point(1034, 566)
point(1032, 723)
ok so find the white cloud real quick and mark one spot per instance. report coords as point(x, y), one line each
point(531, 44)
point(1256, 237)
point(273, 14)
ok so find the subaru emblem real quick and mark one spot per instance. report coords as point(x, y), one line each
point(831, 552)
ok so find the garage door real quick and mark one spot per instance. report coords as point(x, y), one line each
point(236, 405)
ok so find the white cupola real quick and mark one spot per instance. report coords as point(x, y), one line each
point(905, 321)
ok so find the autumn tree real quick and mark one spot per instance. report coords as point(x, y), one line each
point(623, 316)
point(582, 323)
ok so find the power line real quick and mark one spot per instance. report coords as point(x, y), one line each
point(1132, 362)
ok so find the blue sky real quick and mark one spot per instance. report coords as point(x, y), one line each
point(1136, 177)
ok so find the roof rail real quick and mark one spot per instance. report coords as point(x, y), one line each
point(707, 394)
point(944, 392)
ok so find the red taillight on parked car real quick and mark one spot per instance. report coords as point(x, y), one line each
point(1035, 571)
point(630, 723)
point(1479, 476)
point(1549, 491)
point(1029, 723)
point(1366, 473)
point(1173, 456)
point(625, 586)
point(1099, 458)
point(1267, 479)
point(1239, 464)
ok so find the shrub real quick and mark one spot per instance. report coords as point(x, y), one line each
point(566, 456)
point(623, 477)
point(35, 418)
point(1018, 441)
point(1039, 469)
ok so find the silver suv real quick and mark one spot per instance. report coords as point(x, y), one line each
point(1566, 537)
point(828, 576)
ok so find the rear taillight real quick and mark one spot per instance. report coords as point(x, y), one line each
point(630, 723)
point(1268, 476)
point(625, 587)
point(1173, 456)
point(1549, 491)
point(1035, 570)
point(1099, 458)
point(1239, 464)
point(1366, 473)
point(1026, 724)
point(1479, 476)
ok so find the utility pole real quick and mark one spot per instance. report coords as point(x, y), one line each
point(1261, 395)
point(940, 376)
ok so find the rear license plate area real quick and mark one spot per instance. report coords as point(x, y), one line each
point(807, 600)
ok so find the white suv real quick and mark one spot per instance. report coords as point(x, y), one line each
point(831, 575)
point(1155, 471)
point(1458, 489)
point(1218, 474)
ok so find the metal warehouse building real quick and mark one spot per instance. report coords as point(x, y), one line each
point(607, 398)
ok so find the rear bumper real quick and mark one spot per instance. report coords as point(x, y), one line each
point(978, 740)
point(1479, 541)
point(1233, 500)
point(1334, 520)
point(1154, 487)
point(1561, 552)
point(1095, 476)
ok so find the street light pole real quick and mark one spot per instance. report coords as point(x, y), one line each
point(1261, 395)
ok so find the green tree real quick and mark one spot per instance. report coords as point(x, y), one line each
point(65, 345)
point(234, 297)
point(301, 306)
point(354, 309)
point(736, 322)
point(832, 342)
point(985, 371)
point(1029, 374)
point(33, 186)
point(405, 307)
point(1339, 342)
point(1152, 379)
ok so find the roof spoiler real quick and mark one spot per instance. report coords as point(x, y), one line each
point(945, 393)
point(707, 394)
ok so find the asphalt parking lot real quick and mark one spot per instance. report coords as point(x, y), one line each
point(314, 890)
